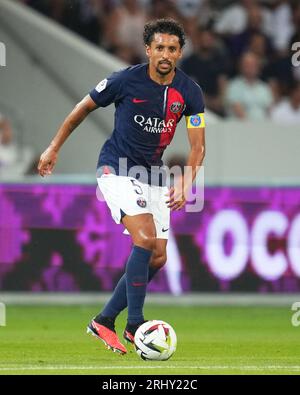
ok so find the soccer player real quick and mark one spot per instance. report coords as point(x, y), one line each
point(150, 100)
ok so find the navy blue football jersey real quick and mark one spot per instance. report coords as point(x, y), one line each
point(146, 117)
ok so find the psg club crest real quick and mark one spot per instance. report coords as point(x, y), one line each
point(176, 107)
point(141, 202)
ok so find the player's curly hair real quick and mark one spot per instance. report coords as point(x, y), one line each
point(168, 25)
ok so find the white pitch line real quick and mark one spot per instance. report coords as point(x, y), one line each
point(211, 367)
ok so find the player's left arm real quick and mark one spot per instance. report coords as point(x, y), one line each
point(182, 186)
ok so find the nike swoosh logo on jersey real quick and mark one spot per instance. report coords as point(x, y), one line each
point(135, 100)
point(165, 230)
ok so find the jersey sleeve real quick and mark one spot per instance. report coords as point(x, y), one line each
point(110, 89)
point(194, 110)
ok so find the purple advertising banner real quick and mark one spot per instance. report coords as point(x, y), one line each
point(62, 238)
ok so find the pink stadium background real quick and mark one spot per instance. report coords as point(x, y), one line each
point(62, 238)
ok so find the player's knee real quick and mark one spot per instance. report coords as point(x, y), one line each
point(145, 241)
point(144, 233)
point(159, 261)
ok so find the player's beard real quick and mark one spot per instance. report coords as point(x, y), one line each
point(164, 71)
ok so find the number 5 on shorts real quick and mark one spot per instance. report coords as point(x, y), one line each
point(139, 191)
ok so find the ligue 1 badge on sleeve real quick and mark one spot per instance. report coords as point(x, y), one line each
point(101, 86)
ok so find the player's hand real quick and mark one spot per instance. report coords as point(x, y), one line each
point(47, 162)
point(176, 196)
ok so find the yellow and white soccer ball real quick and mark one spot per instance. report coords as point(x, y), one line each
point(155, 341)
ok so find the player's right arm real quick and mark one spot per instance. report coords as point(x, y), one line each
point(79, 113)
point(106, 92)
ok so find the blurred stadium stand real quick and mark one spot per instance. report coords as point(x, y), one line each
point(49, 69)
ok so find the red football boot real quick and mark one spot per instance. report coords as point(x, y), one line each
point(107, 335)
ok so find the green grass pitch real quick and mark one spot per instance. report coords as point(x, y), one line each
point(211, 340)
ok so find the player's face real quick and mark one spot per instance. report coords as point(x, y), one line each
point(164, 52)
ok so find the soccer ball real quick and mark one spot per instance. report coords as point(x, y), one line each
point(155, 341)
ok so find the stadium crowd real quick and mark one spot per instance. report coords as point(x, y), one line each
point(238, 51)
